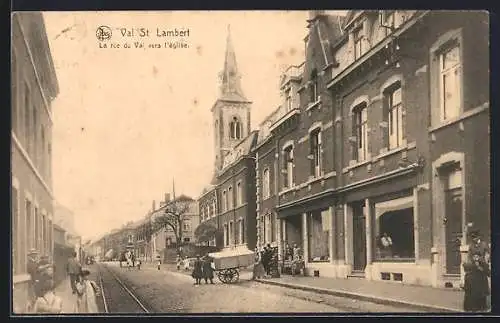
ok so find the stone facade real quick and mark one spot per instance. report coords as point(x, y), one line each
point(34, 86)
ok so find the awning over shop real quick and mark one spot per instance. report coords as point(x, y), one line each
point(393, 205)
point(320, 202)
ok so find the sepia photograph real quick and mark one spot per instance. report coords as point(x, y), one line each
point(194, 162)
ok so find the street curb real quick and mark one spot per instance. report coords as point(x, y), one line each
point(362, 297)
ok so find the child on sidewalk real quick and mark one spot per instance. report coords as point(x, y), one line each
point(87, 291)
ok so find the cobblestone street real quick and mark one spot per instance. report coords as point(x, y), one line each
point(171, 292)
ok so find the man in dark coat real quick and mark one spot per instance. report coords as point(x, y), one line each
point(208, 271)
point(197, 273)
point(73, 269)
point(32, 268)
point(476, 284)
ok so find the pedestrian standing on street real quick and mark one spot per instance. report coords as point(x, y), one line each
point(139, 263)
point(186, 263)
point(208, 271)
point(178, 262)
point(258, 268)
point(197, 273)
point(265, 258)
point(158, 261)
point(73, 269)
point(269, 258)
point(476, 286)
point(32, 269)
point(87, 291)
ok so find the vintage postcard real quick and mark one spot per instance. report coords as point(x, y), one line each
point(308, 161)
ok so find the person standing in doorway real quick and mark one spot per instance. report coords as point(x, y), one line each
point(73, 269)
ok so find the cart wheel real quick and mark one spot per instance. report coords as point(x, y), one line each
point(222, 277)
point(235, 275)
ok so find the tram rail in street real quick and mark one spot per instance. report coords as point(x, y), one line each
point(116, 296)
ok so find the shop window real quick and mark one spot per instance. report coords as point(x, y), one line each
point(394, 230)
point(318, 227)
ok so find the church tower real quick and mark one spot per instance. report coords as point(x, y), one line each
point(231, 111)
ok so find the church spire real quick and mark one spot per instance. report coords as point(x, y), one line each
point(230, 85)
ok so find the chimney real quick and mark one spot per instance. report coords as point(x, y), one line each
point(154, 205)
point(167, 197)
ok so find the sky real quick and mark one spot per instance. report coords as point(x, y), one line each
point(127, 121)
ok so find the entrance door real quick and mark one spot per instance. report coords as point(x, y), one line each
point(453, 230)
point(359, 239)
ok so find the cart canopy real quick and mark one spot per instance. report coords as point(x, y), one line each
point(232, 258)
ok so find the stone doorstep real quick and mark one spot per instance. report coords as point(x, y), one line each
point(361, 297)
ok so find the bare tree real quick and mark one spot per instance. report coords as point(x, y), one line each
point(172, 215)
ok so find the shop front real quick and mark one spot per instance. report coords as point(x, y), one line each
point(310, 226)
point(383, 239)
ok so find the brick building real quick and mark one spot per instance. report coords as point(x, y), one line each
point(384, 141)
point(228, 204)
point(34, 86)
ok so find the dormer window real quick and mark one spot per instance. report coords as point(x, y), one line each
point(358, 42)
point(388, 20)
point(313, 88)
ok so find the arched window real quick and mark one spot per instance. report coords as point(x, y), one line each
point(235, 129)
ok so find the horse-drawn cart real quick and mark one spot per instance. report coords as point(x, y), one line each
point(227, 263)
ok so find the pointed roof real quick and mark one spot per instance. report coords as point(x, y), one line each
point(230, 85)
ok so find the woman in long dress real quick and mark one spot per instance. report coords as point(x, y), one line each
point(87, 292)
point(258, 268)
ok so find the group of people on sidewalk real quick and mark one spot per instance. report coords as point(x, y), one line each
point(203, 268)
point(266, 262)
point(43, 298)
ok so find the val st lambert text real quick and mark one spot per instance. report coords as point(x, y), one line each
point(145, 32)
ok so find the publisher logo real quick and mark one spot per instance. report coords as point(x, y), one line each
point(103, 33)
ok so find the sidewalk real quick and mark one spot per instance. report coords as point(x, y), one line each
point(418, 297)
point(64, 291)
